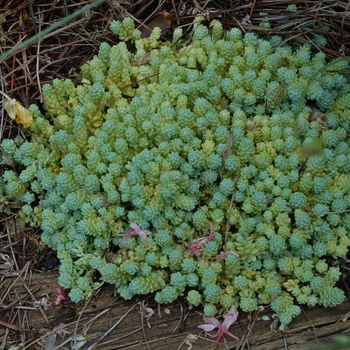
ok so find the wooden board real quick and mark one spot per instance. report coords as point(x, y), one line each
point(313, 328)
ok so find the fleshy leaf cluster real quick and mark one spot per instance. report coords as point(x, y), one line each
point(217, 169)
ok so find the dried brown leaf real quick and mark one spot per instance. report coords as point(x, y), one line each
point(161, 19)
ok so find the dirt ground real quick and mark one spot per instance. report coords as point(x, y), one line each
point(108, 322)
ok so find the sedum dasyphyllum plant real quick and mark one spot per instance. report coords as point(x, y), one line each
point(217, 169)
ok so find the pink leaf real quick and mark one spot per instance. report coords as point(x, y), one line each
point(136, 231)
point(230, 318)
point(212, 323)
point(61, 295)
point(207, 327)
point(197, 244)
